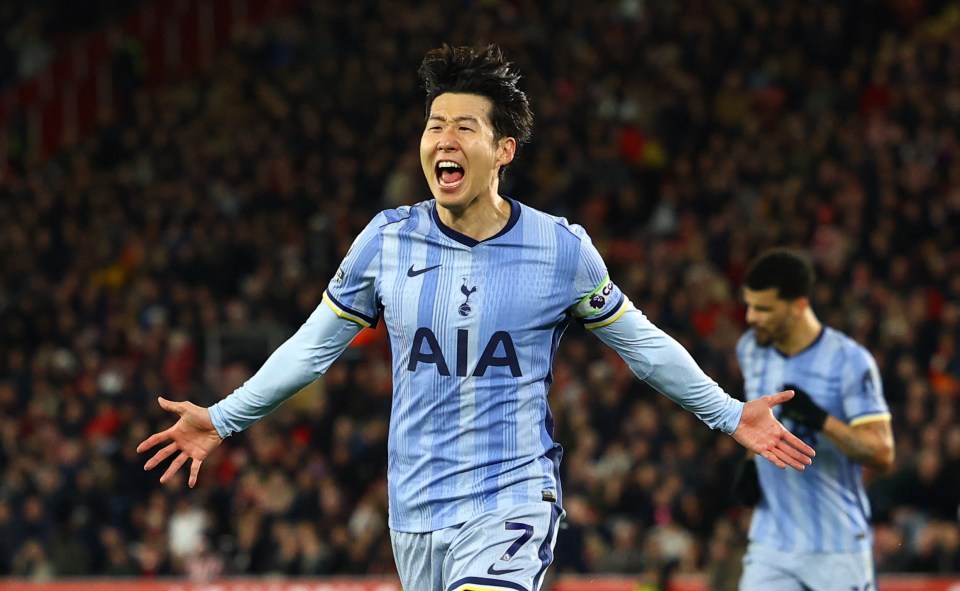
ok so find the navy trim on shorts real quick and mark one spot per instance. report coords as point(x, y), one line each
point(546, 548)
point(483, 582)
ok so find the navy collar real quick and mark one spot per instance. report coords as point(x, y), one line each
point(823, 329)
point(468, 241)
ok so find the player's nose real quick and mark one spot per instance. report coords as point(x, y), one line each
point(448, 141)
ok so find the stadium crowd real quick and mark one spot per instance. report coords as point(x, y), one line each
point(33, 32)
point(172, 251)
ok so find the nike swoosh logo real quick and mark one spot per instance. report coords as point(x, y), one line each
point(411, 272)
point(493, 571)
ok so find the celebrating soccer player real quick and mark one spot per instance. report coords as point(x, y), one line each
point(475, 289)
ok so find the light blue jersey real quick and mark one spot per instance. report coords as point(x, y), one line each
point(473, 331)
point(473, 328)
point(825, 507)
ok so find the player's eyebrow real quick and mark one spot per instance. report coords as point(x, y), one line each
point(458, 118)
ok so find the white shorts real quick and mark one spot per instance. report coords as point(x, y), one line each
point(765, 569)
point(507, 549)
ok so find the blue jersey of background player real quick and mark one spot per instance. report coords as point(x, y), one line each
point(475, 290)
point(811, 530)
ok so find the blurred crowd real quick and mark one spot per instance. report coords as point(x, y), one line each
point(32, 31)
point(169, 254)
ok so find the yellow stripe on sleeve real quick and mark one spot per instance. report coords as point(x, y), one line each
point(343, 313)
point(870, 419)
point(626, 305)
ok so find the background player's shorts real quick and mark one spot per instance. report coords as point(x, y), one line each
point(765, 569)
point(508, 549)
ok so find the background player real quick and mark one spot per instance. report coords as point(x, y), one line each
point(476, 290)
point(811, 530)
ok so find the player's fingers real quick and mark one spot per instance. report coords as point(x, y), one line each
point(175, 465)
point(153, 440)
point(798, 444)
point(160, 456)
point(170, 405)
point(794, 454)
point(773, 459)
point(778, 398)
point(194, 471)
point(785, 454)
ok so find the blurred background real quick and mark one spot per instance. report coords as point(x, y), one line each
point(179, 180)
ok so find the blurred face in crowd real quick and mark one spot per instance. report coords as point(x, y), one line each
point(459, 153)
point(772, 318)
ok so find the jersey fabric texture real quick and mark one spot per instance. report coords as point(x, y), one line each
point(473, 329)
point(824, 508)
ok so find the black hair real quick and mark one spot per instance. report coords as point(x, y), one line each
point(483, 71)
point(787, 270)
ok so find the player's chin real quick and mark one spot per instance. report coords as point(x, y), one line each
point(762, 339)
point(450, 197)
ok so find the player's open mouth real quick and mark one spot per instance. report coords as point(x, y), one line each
point(449, 174)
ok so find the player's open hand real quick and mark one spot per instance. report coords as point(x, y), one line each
point(193, 436)
point(760, 432)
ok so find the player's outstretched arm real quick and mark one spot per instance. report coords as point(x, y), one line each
point(760, 432)
point(193, 436)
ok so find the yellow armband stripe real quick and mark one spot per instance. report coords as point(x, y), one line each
point(626, 305)
point(869, 419)
point(344, 313)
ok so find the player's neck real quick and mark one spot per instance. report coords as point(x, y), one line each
point(482, 218)
point(806, 331)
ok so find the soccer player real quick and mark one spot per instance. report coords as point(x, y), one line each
point(811, 531)
point(476, 290)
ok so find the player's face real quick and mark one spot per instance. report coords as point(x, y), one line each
point(770, 317)
point(458, 152)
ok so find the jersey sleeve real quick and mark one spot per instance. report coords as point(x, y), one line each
point(597, 300)
point(863, 400)
point(352, 293)
point(659, 360)
point(349, 304)
point(297, 362)
point(652, 355)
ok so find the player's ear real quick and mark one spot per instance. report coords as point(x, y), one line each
point(506, 150)
point(801, 304)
